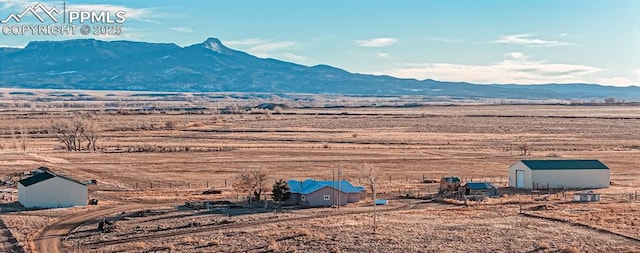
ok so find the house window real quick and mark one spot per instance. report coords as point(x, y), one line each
point(303, 197)
point(327, 197)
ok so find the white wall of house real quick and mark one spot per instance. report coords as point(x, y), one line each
point(569, 178)
point(53, 192)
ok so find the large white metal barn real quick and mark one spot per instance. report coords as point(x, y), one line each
point(550, 174)
point(49, 190)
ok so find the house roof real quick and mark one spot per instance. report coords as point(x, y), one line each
point(45, 175)
point(565, 165)
point(309, 186)
point(479, 185)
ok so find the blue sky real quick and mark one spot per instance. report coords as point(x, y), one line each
point(526, 42)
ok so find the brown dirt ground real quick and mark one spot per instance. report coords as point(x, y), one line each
point(404, 144)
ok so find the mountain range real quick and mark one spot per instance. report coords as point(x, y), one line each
point(210, 66)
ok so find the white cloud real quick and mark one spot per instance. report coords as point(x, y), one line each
point(246, 42)
point(529, 41)
point(10, 46)
point(263, 47)
point(637, 72)
point(376, 42)
point(9, 4)
point(293, 57)
point(272, 46)
point(563, 35)
point(616, 81)
point(383, 55)
point(516, 56)
point(514, 69)
point(182, 29)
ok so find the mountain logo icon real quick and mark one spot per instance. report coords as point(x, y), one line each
point(51, 13)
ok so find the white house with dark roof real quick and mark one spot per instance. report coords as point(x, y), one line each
point(545, 174)
point(315, 193)
point(49, 190)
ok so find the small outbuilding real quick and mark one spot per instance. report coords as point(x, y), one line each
point(480, 188)
point(49, 190)
point(586, 196)
point(316, 193)
point(556, 174)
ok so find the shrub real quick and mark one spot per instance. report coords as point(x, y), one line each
point(570, 250)
point(304, 232)
point(171, 124)
point(273, 246)
point(542, 245)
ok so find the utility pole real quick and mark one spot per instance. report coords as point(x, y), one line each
point(374, 207)
point(339, 189)
point(333, 183)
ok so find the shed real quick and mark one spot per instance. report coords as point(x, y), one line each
point(50, 190)
point(480, 188)
point(555, 174)
point(314, 193)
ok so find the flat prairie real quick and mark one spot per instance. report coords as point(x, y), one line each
point(155, 157)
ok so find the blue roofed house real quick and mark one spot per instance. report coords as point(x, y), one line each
point(315, 193)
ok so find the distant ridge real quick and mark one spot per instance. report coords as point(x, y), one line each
point(211, 66)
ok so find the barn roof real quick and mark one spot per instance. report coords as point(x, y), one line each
point(37, 178)
point(565, 165)
point(45, 175)
point(309, 186)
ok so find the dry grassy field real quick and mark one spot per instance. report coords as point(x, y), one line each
point(163, 157)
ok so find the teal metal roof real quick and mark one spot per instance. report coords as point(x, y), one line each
point(308, 186)
point(565, 165)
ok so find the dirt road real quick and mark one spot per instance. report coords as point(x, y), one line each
point(215, 226)
point(50, 239)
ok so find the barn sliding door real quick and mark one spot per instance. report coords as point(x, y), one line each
point(519, 178)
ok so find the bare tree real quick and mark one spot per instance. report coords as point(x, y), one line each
point(251, 181)
point(610, 100)
point(370, 176)
point(90, 132)
point(23, 139)
point(72, 132)
point(524, 149)
point(14, 139)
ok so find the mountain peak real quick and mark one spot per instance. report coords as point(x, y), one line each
point(214, 44)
